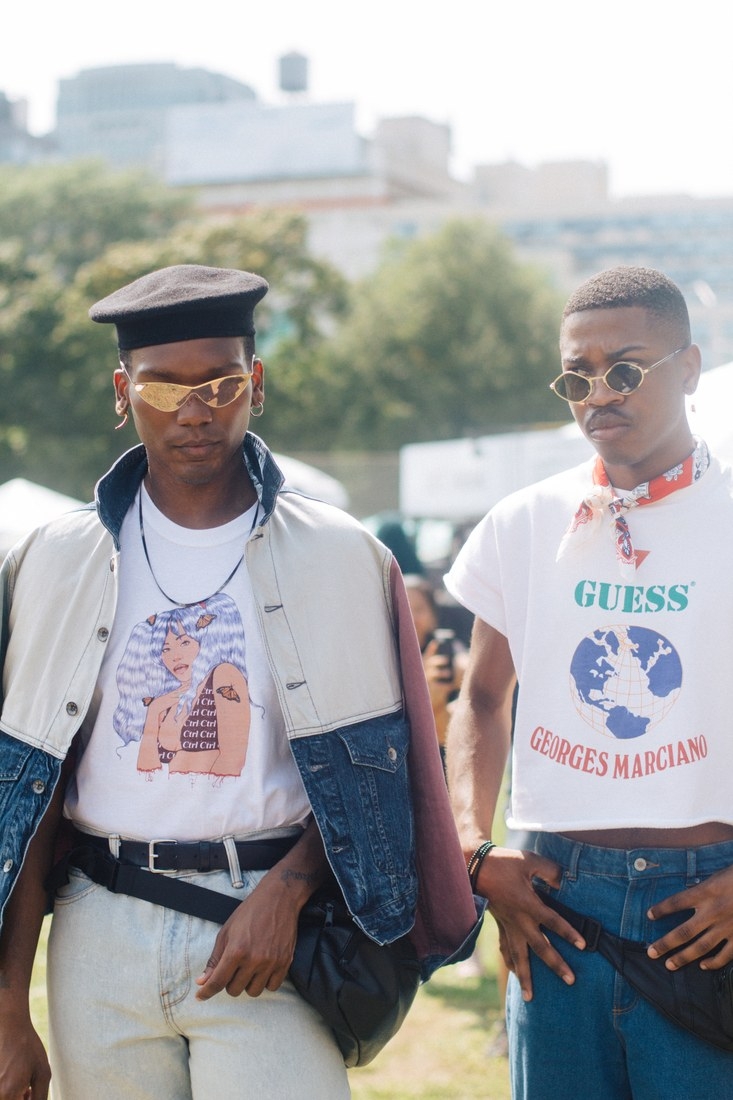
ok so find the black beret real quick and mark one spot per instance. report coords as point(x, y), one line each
point(186, 302)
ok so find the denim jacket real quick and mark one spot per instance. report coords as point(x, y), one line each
point(342, 649)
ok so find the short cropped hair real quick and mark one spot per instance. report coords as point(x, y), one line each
point(633, 286)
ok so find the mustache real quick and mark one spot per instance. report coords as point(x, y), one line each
point(602, 418)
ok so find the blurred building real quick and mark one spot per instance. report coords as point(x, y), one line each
point(210, 133)
point(120, 112)
point(690, 239)
point(17, 145)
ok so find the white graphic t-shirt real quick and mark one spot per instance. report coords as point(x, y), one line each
point(188, 741)
point(623, 715)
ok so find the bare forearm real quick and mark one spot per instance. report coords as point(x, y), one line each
point(21, 929)
point(305, 866)
point(479, 735)
point(478, 745)
point(24, 1068)
point(254, 949)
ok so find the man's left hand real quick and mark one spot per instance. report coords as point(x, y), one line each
point(254, 949)
point(710, 926)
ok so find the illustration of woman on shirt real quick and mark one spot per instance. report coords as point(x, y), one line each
point(183, 690)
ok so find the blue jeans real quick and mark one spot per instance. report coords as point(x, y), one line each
point(598, 1039)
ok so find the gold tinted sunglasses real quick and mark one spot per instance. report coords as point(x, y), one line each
point(169, 396)
point(621, 378)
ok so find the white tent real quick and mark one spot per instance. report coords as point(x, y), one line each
point(312, 481)
point(711, 411)
point(24, 505)
point(460, 479)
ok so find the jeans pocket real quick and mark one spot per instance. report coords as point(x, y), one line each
point(78, 886)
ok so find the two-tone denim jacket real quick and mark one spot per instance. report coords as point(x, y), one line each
point(342, 649)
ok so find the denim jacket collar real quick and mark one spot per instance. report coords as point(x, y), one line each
point(115, 492)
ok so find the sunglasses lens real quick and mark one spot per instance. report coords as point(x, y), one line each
point(224, 390)
point(572, 387)
point(163, 396)
point(167, 396)
point(624, 377)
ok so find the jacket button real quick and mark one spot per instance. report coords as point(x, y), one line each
point(392, 754)
point(38, 786)
point(103, 633)
point(8, 865)
point(72, 708)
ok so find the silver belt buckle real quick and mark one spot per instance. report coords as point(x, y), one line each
point(153, 855)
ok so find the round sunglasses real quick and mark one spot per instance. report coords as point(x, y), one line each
point(622, 378)
point(169, 396)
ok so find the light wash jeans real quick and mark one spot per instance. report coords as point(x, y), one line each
point(125, 1024)
point(598, 1039)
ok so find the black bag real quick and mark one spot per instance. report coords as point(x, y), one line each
point(362, 990)
point(701, 1001)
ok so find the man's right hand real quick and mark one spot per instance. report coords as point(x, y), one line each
point(24, 1070)
point(505, 880)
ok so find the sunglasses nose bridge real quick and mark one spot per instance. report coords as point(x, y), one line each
point(599, 390)
point(183, 403)
point(604, 392)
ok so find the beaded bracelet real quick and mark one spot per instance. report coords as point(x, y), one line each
point(478, 857)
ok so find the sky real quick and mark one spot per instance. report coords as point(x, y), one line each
point(644, 85)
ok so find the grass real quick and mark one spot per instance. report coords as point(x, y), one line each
point(440, 1052)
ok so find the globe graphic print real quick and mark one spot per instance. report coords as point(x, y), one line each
point(624, 680)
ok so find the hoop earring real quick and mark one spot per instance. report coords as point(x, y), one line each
point(257, 411)
point(122, 422)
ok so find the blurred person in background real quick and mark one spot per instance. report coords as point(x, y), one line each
point(444, 656)
point(444, 660)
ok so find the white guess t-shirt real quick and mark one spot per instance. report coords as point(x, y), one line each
point(188, 741)
point(623, 714)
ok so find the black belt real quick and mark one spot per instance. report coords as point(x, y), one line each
point(91, 854)
point(203, 855)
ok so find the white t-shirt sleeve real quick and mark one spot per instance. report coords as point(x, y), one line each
point(475, 576)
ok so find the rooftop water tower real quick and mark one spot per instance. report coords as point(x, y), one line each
point(294, 73)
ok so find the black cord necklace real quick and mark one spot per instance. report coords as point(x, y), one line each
point(189, 603)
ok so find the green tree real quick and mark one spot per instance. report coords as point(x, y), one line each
point(68, 214)
point(53, 221)
point(82, 233)
point(452, 336)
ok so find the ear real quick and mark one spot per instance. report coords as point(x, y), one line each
point(121, 383)
point(692, 366)
point(258, 382)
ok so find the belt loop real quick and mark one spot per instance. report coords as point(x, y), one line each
point(692, 875)
point(571, 871)
point(114, 846)
point(235, 870)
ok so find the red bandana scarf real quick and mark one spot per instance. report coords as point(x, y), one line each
point(588, 517)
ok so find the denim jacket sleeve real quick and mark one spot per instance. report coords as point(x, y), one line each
point(448, 917)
